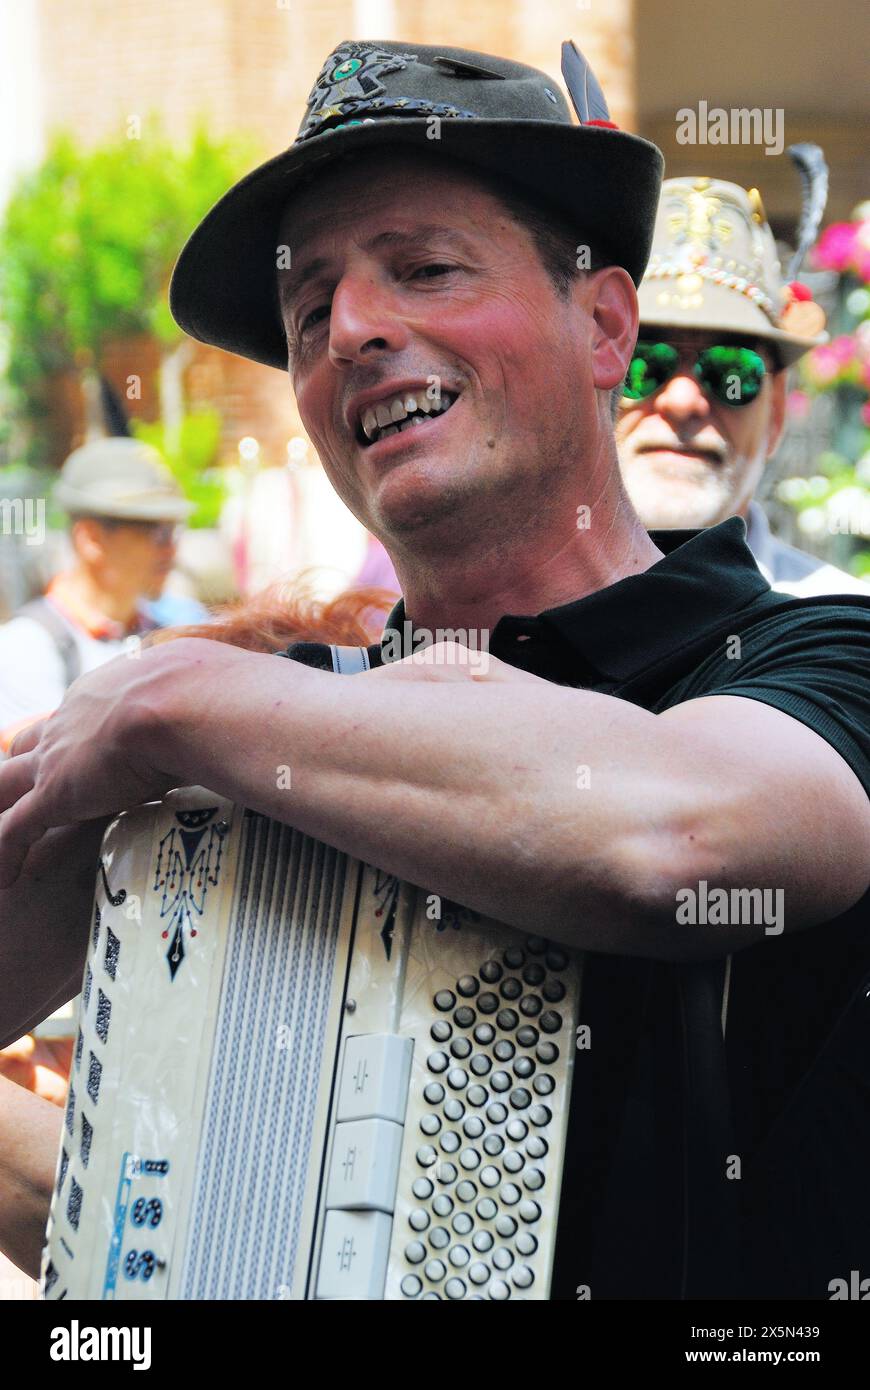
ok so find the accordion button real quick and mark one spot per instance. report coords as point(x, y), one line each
point(459, 1257)
point(454, 1109)
point(534, 974)
point(486, 1209)
point(477, 1095)
point(426, 1156)
point(529, 1211)
point(502, 1259)
point(514, 958)
point(457, 1079)
point(422, 1189)
point(444, 1000)
point(435, 1271)
point(511, 988)
point(450, 1141)
point(439, 1238)
point(467, 986)
point(499, 1291)
point(434, 1093)
point(556, 959)
point(523, 1277)
point(460, 1047)
point(480, 1064)
point(509, 1193)
point(505, 1225)
point(487, 1003)
point(526, 1243)
point(466, 1191)
point(473, 1127)
point(430, 1124)
point(496, 1113)
point(524, 1066)
point(442, 1205)
point(530, 1005)
point(548, 1053)
point(437, 1061)
point(464, 1016)
point(544, 1085)
point(469, 1159)
point(478, 1273)
point(484, 1034)
point(446, 1173)
point(517, 1130)
point(490, 1177)
point(493, 1145)
point(415, 1252)
point(553, 991)
point(533, 1179)
point(536, 1146)
point(520, 1098)
point(500, 1081)
point(513, 1161)
point(441, 1031)
point(504, 1050)
point(527, 1036)
point(550, 1021)
point(454, 1288)
point(429, 1295)
point(482, 1241)
point(411, 1286)
point(507, 1019)
point(490, 971)
point(536, 945)
point(462, 1223)
point(418, 1220)
point(540, 1115)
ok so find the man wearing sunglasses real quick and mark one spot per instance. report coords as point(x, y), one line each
point(704, 402)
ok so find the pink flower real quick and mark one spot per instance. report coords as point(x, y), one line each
point(833, 250)
point(823, 365)
point(842, 349)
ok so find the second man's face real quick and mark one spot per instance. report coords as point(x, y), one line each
point(687, 459)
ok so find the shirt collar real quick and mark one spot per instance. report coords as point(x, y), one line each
point(702, 578)
point(88, 619)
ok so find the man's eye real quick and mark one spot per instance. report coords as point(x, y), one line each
point(430, 271)
point(314, 317)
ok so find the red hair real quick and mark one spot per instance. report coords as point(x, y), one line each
point(289, 612)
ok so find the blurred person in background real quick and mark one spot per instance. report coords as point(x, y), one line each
point(705, 393)
point(125, 509)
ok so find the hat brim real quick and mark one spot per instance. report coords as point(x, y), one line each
point(722, 310)
point(77, 503)
point(224, 286)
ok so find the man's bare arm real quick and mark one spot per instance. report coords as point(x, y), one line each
point(44, 921)
point(29, 1138)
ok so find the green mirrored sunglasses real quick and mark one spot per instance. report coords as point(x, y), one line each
point(728, 373)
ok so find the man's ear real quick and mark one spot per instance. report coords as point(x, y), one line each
point(612, 302)
point(778, 382)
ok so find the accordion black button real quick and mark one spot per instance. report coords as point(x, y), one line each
point(527, 1036)
point(556, 959)
point(507, 1019)
point(464, 1016)
point(444, 1000)
point(550, 1021)
point(488, 1003)
point(553, 991)
point(514, 958)
point(467, 986)
point(490, 971)
point(511, 988)
point(520, 1098)
point(534, 974)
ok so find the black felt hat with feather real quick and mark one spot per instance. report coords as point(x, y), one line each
point(500, 116)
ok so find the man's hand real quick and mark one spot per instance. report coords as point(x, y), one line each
point(40, 1065)
point(99, 753)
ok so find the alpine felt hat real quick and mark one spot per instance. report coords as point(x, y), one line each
point(120, 478)
point(497, 115)
point(714, 267)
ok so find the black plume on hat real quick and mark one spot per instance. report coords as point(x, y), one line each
point(500, 116)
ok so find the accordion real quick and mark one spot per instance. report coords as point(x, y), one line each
point(297, 1077)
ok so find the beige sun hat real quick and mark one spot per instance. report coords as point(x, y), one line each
point(714, 266)
point(120, 478)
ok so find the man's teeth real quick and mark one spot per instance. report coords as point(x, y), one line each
point(400, 412)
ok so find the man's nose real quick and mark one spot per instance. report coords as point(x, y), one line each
point(364, 319)
point(681, 398)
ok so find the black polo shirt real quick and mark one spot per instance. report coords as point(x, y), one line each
point(660, 1110)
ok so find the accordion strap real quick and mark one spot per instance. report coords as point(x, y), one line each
point(349, 661)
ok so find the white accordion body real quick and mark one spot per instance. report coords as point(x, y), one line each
point(296, 1077)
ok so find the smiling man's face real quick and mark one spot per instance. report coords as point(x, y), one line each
point(444, 382)
point(688, 460)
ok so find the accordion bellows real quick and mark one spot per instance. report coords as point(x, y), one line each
point(297, 1077)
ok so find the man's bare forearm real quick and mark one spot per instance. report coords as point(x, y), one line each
point(29, 1136)
point(44, 920)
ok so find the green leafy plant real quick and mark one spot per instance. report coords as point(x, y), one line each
point(191, 452)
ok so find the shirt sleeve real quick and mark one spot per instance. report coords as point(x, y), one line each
point(812, 663)
point(32, 677)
